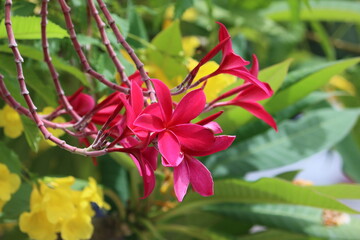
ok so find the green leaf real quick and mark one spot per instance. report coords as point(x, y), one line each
point(32, 133)
point(350, 153)
point(275, 235)
point(30, 28)
point(310, 83)
point(325, 42)
point(330, 10)
point(181, 6)
point(137, 27)
point(166, 53)
point(297, 219)
point(33, 53)
point(256, 127)
point(296, 139)
point(343, 191)
point(18, 203)
point(115, 177)
point(289, 176)
point(10, 159)
point(265, 190)
point(273, 75)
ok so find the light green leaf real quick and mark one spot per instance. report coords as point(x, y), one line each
point(297, 219)
point(265, 190)
point(30, 28)
point(32, 133)
point(340, 191)
point(329, 10)
point(350, 153)
point(297, 139)
point(310, 83)
point(166, 53)
point(33, 53)
point(10, 159)
point(273, 75)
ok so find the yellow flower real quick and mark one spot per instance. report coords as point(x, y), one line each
point(9, 184)
point(189, 15)
point(11, 122)
point(78, 227)
point(190, 44)
point(37, 226)
point(216, 84)
point(62, 210)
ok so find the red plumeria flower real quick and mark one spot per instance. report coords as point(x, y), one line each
point(192, 171)
point(173, 128)
point(82, 103)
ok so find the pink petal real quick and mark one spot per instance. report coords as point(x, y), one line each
point(209, 56)
point(214, 127)
point(190, 106)
point(148, 178)
point(149, 122)
point(232, 61)
point(244, 74)
point(101, 116)
point(130, 115)
point(150, 155)
point(181, 180)
point(82, 103)
point(155, 110)
point(254, 70)
point(224, 34)
point(258, 111)
point(221, 143)
point(192, 136)
point(200, 177)
point(210, 118)
point(253, 93)
point(137, 98)
point(136, 77)
point(164, 97)
point(169, 148)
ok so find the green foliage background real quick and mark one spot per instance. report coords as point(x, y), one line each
point(301, 45)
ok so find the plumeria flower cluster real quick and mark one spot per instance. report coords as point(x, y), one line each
point(56, 208)
point(140, 117)
point(164, 127)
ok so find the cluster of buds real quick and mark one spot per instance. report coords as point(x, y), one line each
point(140, 118)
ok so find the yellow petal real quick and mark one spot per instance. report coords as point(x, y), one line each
point(77, 228)
point(37, 226)
point(9, 183)
point(342, 83)
point(190, 44)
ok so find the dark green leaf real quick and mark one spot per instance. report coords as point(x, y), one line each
point(32, 133)
point(296, 139)
point(181, 6)
point(350, 153)
point(10, 159)
point(19, 202)
point(297, 219)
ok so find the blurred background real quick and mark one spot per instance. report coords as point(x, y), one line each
point(308, 51)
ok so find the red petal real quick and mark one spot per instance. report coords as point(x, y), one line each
point(169, 148)
point(137, 98)
point(192, 136)
point(181, 180)
point(221, 143)
point(190, 106)
point(254, 70)
point(210, 118)
point(149, 122)
point(164, 97)
point(258, 111)
point(150, 154)
point(200, 177)
point(214, 127)
point(253, 93)
point(82, 103)
point(224, 34)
